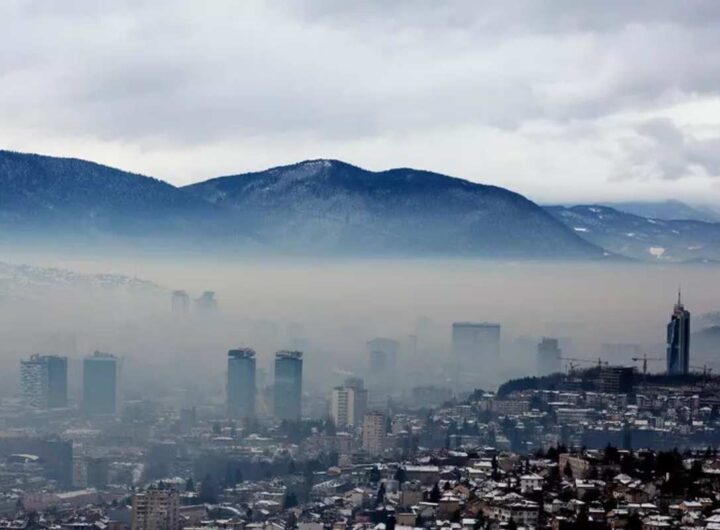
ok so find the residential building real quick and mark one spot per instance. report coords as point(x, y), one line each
point(156, 510)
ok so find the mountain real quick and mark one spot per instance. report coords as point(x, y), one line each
point(327, 206)
point(67, 197)
point(15, 278)
point(641, 237)
point(668, 211)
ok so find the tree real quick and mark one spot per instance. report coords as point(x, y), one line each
point(380, 499)
point(290, 500)
point(568, 470)
point(189, 485)
point(400, 475)
point(435, 493)
point(208, 490)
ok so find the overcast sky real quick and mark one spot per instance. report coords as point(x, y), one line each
point(560, 100)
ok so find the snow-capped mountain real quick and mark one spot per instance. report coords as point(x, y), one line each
point(21, 278)
point(327, 206)
point(668, 210)
point(642, 237)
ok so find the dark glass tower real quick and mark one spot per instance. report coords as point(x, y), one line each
point(678, 340)
point(241, 383)
point(288, 385)
point(100, 383)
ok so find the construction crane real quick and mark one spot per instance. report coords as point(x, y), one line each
point(571, 360)
point(644, 360)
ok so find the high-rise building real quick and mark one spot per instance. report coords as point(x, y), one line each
point(476, 353)
point(43, 380)
point(374, 433)
point(678, 340)
point(241, 387)
point(58, 457)
point(382, 366)
point(156, 510)
point(549, 356)
point(288, 385)
point(476, 341)
point(206, 303)
point(100, 383)
point(180, 302)
point(360, 399)
point(341, 404)
point(348, 403)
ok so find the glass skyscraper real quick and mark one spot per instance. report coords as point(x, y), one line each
point(678, 340)
point(288, 385)
point(100, 383)
point(241, 383)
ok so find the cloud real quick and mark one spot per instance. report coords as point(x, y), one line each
point(186, 90)
point(663, 150)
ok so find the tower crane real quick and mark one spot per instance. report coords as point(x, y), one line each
point(645, 360)
point(572, 360)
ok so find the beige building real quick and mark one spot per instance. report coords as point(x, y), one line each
point(156, 510)
point(374, 433)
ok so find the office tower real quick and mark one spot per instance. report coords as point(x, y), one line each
point(374, 433)
point(476, 342)
point(43, 380)
point(180, 302)
point(207, 303)
point(382, 366)
point(156, 510)
point(678, 340)
point(476, 353)
point(57, 455)
point(548, 356)
point(100, 383)
point(288, 385)
point(241, 383)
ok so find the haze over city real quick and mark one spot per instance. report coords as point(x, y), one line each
point(379, 266)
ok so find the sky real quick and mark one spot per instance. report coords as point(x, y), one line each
point(560, 100)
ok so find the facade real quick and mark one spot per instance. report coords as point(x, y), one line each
point(241, 386)
point(288, 385)
point(374, 433)
point(43, 381)
point(100, 383)
point(678, 340)
point(549, 356)
point(156, 510)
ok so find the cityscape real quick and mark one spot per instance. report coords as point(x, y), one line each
point(580, 442)
point(379, 265)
